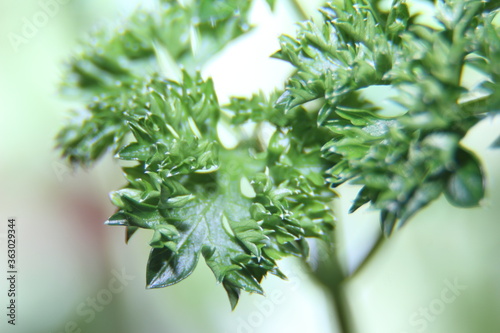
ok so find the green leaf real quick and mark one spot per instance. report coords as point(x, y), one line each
point(200, 226)
point(166, 267)
point(364, 196)
point(465, 187)
point(135, 152)
point(233, 294)
point(401, 161)
point(246, 207)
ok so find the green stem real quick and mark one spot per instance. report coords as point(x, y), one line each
point(329, 273)
point(339, 299)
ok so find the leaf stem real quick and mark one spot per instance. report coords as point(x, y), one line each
point(336, 288)
point(329, 273)
point(339, 299)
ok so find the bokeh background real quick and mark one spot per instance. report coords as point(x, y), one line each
point(67, 256)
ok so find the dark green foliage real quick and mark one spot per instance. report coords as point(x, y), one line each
point(405, 161)
point(190, 191)
point(243, 208)
point(110, 68)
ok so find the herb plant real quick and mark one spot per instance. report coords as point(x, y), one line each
point(243, 208)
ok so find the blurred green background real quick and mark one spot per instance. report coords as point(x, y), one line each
point(67, 256)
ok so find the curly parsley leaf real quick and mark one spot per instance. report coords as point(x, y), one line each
point(109, 70)
point(407, 160)
point(191, 192)
point(241, 209)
